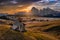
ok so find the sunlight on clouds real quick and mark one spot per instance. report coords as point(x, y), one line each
point(15, 9)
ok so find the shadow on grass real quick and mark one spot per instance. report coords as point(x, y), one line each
point(55, 30)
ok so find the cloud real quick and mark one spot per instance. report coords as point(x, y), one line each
point(46, 2)
point(54, 6)
point(7, 2)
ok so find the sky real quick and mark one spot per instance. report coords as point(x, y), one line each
point(17, 1)
point(53, 4)
point(13, 6)
point(2, 2)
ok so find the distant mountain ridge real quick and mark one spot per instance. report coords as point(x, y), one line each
point(45, 12)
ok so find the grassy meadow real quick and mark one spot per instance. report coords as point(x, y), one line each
point(46, 30)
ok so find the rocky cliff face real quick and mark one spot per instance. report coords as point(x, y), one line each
point(45, 12)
